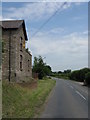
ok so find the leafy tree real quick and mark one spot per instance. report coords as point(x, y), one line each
point(67, 71)
point(87, 78)
point(47, 70)
point(59, 72)
point(75, 75)
point(40, 67)
point(79, 75)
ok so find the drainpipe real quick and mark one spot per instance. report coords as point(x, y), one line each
point(9, 56)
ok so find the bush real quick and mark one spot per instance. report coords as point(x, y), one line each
point(75, 75)
point(79, 75)
point(87, 78)
point(40, 68)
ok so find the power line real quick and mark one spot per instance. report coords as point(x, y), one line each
point(48, 20)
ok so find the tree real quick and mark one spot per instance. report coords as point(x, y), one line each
point(59, 72)
point(47, 70)
point(79, 75)
point(40, 67)
point(67, 71)
point(87, 78)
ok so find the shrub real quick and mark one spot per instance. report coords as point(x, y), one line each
point(87, 78)
point(40, 68)
point(75, 75)
point(79, 75)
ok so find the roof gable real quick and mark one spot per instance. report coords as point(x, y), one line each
point(14, 24)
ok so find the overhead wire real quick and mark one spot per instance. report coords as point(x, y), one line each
point(48, 19)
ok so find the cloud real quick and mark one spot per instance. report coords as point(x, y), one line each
point(34, 11)
point(77, 18)
point(46, 1)
point(61, 49)
point(57, 30)
point(86, 32)
point(75, 43)
point(1, 18)
point(51, 32)
point(68, 51)
point(78, 3)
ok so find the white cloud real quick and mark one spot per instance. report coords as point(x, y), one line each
point(78, 3)
point(52, 32)
point(0, 17)
point(61, 52)
point(85, 32)
point(68, 50)
point(77, 18)
point(74, 43)
point(45, 1)
point(35, 11)
point(57, 30)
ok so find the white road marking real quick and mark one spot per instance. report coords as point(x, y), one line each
point(80, 95)
point(72, 87)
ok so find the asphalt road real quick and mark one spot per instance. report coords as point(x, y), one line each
point(67, 100)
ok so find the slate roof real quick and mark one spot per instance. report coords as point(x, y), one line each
point(14, 24)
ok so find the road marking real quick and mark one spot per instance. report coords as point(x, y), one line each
point(80, 95)
point(72, 87)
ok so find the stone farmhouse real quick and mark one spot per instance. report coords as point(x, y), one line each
point(16, 59)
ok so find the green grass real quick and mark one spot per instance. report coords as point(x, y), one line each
point(0, 99)
point(23, 102)
point(62, 76)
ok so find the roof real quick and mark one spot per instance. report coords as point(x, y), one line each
point(28, 52)
point(14, 24)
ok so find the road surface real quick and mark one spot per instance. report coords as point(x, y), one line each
point(68, 99)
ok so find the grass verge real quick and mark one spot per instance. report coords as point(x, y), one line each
point(25, 102)
point(0, 99)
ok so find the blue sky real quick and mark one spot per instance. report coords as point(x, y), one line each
point(63, 40)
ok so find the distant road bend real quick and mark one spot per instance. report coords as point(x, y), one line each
point(68, 100)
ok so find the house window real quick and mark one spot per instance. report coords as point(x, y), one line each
point(21, 39)
point(28, 65)
point(21, 62)
point(20, 46)
point(21, 43)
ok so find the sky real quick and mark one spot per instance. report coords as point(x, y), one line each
point(57, 31)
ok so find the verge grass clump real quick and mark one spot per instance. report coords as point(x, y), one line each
point(24, 102)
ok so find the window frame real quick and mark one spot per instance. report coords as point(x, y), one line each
point(21, 44)
point(21, 62)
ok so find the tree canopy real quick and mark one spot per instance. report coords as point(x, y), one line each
point(40, 67)
point(79, 75)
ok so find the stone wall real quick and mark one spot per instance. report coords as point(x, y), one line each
point(14, 35)
point(5, 55)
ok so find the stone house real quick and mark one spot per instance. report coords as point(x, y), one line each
point(16, 60)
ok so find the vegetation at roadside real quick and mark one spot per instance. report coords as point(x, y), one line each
point(41, 68)
point(81, 75)
point(0, 99)
point(87, 78)
point(64, 75)
point(24, 102)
